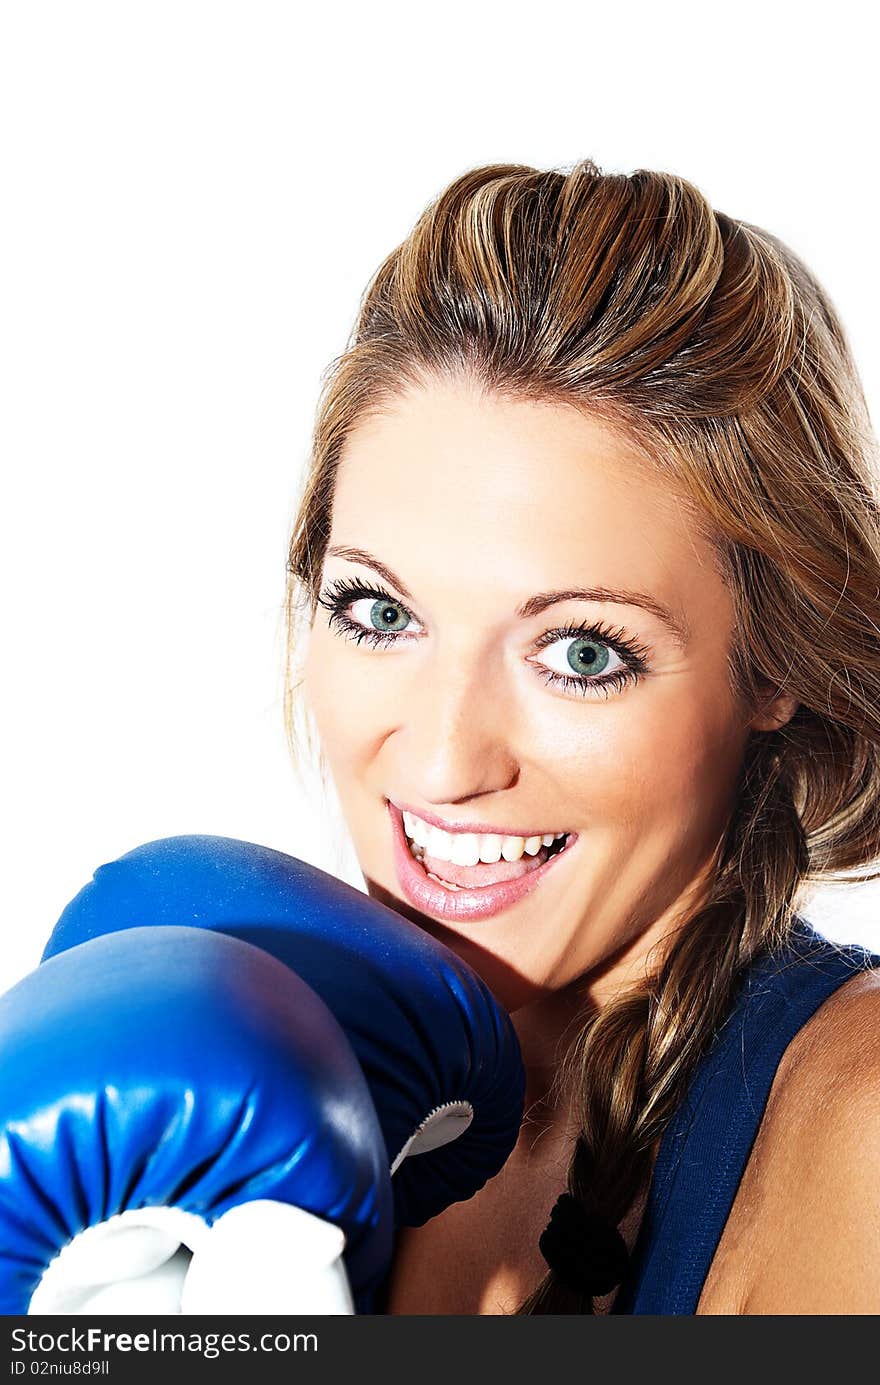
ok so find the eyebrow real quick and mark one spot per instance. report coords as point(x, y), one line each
point(536, 604)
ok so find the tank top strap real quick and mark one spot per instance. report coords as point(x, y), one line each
point(706, 1145)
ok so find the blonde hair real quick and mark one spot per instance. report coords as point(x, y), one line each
point(715, 349)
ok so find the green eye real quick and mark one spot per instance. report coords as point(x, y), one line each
point(588, 656)
point(584, 655)
point(387, 615)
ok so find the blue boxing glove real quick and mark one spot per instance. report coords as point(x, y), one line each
point(184, 1128)
point(440, 1055)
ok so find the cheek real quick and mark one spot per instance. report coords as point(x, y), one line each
point(670, 764)
point(327, 693)
point(346, 700)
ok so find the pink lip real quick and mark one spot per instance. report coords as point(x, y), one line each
point(465, 905)
point(479, 827)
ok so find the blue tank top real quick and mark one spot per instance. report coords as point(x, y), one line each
point(706, 1145)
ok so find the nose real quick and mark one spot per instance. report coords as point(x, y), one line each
point(457, 736)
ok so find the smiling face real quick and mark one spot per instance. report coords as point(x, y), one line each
point(470, 700)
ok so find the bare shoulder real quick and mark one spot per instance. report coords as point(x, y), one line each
point(835, 1056)
point(817, 1170)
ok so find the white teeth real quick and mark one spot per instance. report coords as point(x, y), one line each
point(512, 848)
point(439, 843)
point(490, 849)
point(467, 848)
point(416, 829)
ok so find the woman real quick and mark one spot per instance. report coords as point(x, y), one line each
point(588, 558)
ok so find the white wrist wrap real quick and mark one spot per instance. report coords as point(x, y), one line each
point(258, 1257)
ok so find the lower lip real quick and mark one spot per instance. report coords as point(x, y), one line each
point(460, 904)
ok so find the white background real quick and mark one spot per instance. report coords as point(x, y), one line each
point(194, 196)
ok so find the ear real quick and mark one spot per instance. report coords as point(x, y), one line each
point(774, 710)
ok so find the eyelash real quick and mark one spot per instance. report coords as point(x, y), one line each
point(343, 592)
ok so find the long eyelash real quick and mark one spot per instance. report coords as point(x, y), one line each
point(606, 686)
point(343, 591)
point(635, 658)
point(634, 655)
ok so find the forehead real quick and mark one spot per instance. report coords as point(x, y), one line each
point(515, 493)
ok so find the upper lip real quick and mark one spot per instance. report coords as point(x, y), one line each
point(478, 828)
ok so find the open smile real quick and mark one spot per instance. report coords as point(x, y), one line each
point(461, 900)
